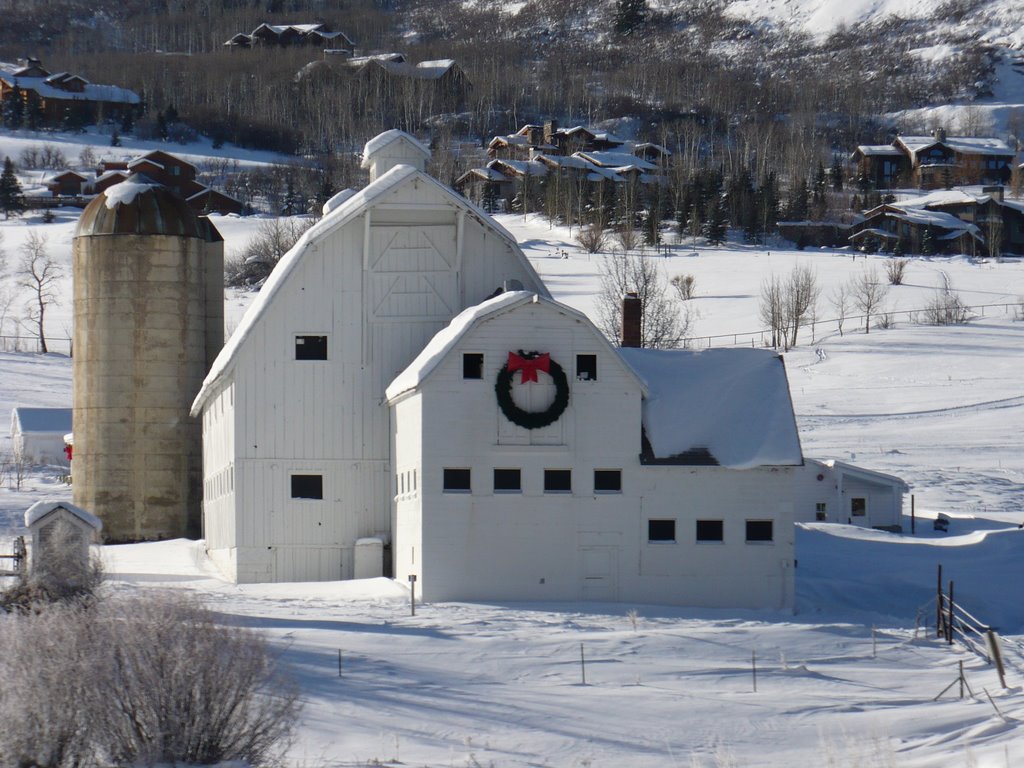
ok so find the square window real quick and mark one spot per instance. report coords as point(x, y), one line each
point(858, 506)
point(307, 486)
point(586, 367)
point(507, 480)
point(607, 481)
point(710, 530)
point(759, 530)
point(661, 530)
point(557, 481)
point(310, 347)
point(456, 480)
point(473, 365)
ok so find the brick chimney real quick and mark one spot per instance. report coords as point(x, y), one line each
point(632, 315)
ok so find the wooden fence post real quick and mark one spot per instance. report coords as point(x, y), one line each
point(949, 616)
point(938, 603)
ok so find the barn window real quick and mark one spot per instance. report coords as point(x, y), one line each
point(456, 480)
point(307, 486)
point(821, 511)
point(310, 347)
point(607, 481)
point(507, 480)
point(858, 506)
point(586, 367)
point(759, 531)
point(661, 530)
point(710, 530)
point(473, 365)
point(557, 481)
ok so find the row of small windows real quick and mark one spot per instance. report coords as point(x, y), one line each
point(473, 366)
point(664, 530)
point(459, 480)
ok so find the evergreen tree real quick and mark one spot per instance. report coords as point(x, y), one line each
point(927, 243)
point(33, 111)
point(716, 220)
point(292, 204)
point(768, 203)
point(837, 173)
point(14, 108)
point(629, 15)
point(115, 139)
point(11, 200)
point(796, 203)
point(819, 194)
point(128, 121)
point(742, 201)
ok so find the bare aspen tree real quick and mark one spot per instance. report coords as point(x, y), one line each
point(994, 235)
point(840, 301)
point(665, 322)
point(38, 273)
point(868, 294)
point(801, 299)
point(772, 309)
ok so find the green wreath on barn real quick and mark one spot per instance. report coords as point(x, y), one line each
point(529, 364)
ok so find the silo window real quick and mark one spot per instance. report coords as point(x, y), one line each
point(310, 347)
point(307, 486)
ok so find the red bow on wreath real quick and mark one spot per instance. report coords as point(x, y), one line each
point(529, 366)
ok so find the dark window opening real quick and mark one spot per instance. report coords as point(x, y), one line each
point(821, 511)
point(456, 480)
point(307, 486)
point(661, 530)
point(310, 347)
point(472, 365)
point(607, 480)
point(710, 530)
point(586, 367)
point(507, 480)
point(557, 481)
point(858, 506)
point(759, 530)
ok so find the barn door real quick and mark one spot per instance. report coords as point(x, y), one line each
point(413, 272)
point(600, 571)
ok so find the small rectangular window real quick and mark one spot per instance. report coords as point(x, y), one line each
point(310, 347)
point(456, 480)
point(472, 365)
point(820, 511)
point(661, 530)
point(557, 481)
point(759, 530)
point(858, 506)
point(586, 367)
point(507, 480)
point(710, 530)
point(607, 481)
point(307, 486)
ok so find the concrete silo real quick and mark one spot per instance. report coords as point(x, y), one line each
point(148, 320)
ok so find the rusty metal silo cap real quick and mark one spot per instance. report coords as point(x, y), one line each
point(139, 206)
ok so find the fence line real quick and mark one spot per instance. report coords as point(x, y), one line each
point(763, 336)
point(59, 344)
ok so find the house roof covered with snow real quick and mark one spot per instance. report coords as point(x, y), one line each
point(52, 90)
point(348, 210)
point(726, 407)
point(52, 420)
point(41, 509)
point(617, 160)
point(962, 144)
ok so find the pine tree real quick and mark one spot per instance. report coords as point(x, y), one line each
point(837, 173)
point(796, 204)
point(11, 200)
point(34, 117)
point(115, 139)
point(716, 221)
point(13, 108)
point(629, 15)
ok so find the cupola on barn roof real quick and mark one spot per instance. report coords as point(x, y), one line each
point(391, 148)
point(140, 206)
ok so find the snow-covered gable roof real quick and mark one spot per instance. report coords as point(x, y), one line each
point(868, 475)
point(962, 144)
point(616, 160)
point(880, 150)
point(520, 167)
point(379, 142)
point(90, 91)
point(435, 68)
point(41, 509)
point(448, 337)
point(51, 420)
point(354, 206)
point(730, 406)
point(651, 145)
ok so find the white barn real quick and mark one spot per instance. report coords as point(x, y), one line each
point(296, 433)
point(632, 475)
point(37, 434)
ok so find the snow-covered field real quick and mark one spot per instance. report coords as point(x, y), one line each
point(480, 685)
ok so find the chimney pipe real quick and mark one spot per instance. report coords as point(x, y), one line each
point(632, 315)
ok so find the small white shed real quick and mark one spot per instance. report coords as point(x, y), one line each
point(45, 519)
point(836, 492)
point(37, 434)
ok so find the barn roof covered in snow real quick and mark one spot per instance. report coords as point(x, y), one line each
point(55, 420)
point(726, 407)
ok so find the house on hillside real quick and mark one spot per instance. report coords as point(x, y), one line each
point(934, 162)
point(66, 184)
point(319, 35)
point(296, 435)
point(534, 461)
point(37, 434)
point(179, 176)
point(60, 98)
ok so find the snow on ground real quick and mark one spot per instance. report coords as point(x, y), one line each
point(478, 685)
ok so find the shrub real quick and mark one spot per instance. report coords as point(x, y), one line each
point(592, 238)
point(60, 573)
point(685, 285)
point(946, 307)
point(894, 269)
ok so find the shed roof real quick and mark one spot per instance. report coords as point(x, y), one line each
point(55, 420)
point(41, 509)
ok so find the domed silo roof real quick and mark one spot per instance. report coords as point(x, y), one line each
point(139, 206)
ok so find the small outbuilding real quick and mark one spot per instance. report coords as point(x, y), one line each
point(836, 492)
point(60, 524)
point(37, 434)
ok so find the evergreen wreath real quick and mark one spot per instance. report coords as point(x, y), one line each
point(532, 419)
